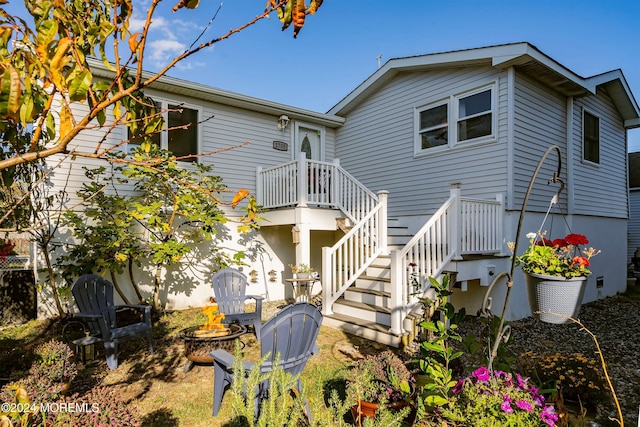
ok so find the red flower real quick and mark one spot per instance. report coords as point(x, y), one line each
point(559, 243)
point(582, 261)
point(576, 239)
point(544, 242)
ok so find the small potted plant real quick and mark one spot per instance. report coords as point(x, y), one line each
point(377, 379)
point(556, 274)
point(301, 271)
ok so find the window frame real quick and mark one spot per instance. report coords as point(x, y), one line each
point(492, 112)
point(164, 134)
point(453, 108)
point(585, 112)
point(419, 130)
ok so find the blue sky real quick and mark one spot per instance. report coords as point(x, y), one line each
point(339, 46)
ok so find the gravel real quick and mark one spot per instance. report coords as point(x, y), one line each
point(615, 322)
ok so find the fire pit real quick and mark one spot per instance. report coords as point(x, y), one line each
point(199, 341)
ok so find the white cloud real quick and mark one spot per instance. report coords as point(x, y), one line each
point(159, 52)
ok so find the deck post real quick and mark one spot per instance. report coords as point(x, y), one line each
point(397, 284)
point(303, 180)
point(259, 186)
point(327, 282)
point(382, 226)
point(456, 222)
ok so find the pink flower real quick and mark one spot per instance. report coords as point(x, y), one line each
point(524, 405)
point(481, 374)
point(506, 407)
point(549, 416)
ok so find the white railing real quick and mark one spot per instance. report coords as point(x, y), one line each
point(277, 186)
point(310, 182)
point(460, 226)
point(480, 226)
point(343, 263)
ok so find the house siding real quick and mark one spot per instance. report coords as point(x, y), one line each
point(633, 226)
point(376, 144)
point(539, 122)
point(223, 127)
point(601, 189)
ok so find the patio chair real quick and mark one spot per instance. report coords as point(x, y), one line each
point(94, 298)
point(229, 288)
point(291, 333)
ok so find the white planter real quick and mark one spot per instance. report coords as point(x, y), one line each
point(551, 294)
point(303, 275)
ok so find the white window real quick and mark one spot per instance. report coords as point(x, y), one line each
point(434, 126)
point(183, 135)
point(475, 115)
point(471, 115)
point(590, 137)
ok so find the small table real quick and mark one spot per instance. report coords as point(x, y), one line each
point(302, 288)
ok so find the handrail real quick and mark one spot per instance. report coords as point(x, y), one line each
point(311, 182)
point(345, 261)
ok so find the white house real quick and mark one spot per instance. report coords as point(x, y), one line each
point(633, 242)
point(423, 169)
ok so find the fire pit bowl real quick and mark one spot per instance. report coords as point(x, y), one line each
point(198, 344)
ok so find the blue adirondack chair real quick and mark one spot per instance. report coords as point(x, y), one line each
point(291, 333)
point(94, 298)
point(229, 289)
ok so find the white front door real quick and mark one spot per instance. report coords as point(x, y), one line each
point(309, 140)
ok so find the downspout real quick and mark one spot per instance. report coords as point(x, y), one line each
point(570, 160)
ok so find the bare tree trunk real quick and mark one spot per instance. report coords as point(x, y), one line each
point(52, 280)
point(133, 282)
point(156, 287)
point(117, 286)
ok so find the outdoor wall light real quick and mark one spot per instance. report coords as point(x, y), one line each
point(283, 122)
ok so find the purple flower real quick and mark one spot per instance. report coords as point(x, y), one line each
point(524, 405)
point(506, 407)
point(549, 416)
point(457, 389)
point(522, 382)
point(481, 374)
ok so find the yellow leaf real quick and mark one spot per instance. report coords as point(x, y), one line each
point(59, 61)
point(313, 7)
point(241, 194)
point(298, 15)
point(133, 42)
point(244, 229)
point(65, 121)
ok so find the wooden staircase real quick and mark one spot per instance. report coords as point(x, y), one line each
point(364, 309)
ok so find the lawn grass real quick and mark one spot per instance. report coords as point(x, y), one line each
point(157, 386)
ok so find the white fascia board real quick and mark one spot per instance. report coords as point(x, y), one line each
point(208, 93)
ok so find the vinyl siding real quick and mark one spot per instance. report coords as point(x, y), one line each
point(633, 226)
point(376, 144)
point(601, 189)
point(227, 127)
point(539, 122)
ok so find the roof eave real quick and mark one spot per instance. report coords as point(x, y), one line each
point(224, 97)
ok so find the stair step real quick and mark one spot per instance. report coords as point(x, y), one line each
point(372, 297)
point(374, 283)
point(366, 312)
point(369, 330)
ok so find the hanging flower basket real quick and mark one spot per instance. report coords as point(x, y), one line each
point(553, 294)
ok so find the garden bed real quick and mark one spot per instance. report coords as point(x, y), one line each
point(161, 394)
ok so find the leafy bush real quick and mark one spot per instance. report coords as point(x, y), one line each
point(54, 361)
point(378, 376)
point(498, 399)
point(580, 378)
